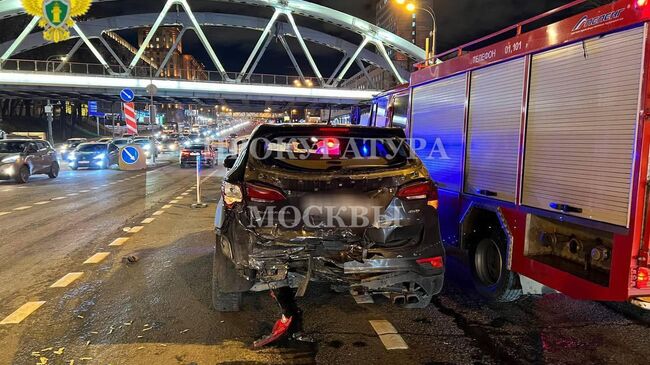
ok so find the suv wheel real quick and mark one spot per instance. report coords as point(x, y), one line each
point(490, 273)
point(23, 175)
point(54, 170)
point(226, 283)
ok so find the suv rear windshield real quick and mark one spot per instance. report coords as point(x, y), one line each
point(332, 149)
point(196, 147)
point(12, 147)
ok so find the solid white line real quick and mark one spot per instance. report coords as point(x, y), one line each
point(21, 313)
point(135, 229)
point(97, 258)
point(66, 280)
point(119, 241)
point(23, 208)
point(147, 220)
point(43, 202)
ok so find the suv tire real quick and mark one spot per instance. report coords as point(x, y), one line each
point(23, 175)
point(224, 280)
point(54, 170)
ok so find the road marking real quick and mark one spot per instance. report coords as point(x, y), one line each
point(103, 186)
point(135, 229)
point(73, 194)
point(23, 208)
point(84, 191)
point(66, 280)
point(159, 212)
point(184, 194)
point(388, 335)
point(97, 258)
point(95, 188)
point(59, 198)
point(179, 197)
point(173, 202)
point(119, 241)
point(147, 220)
point(6, 190)
point(113, 183)
point(4, 213)
point(167, 206)
point(43, 202)
point(21, 313)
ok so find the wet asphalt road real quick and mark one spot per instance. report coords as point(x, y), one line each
point(156, 310)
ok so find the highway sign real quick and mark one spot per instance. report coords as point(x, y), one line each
point(130, 155)
point(127, 95)
point(93, 110)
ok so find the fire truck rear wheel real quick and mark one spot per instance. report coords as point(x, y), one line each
point(490, 274)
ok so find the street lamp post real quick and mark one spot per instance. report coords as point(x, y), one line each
point(413, 7)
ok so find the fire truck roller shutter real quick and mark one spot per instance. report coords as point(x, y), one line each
point(582, 118)
point(494, 127)
point(438, 117)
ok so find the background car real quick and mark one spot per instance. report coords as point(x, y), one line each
point(149, 146)
point(69, 146)
point(94, 155)
point(21, 158)
point(122, 142)
point(191, 152)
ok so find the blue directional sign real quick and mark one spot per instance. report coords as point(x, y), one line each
point(93, 111)
point(127, 95)
point(130, 155)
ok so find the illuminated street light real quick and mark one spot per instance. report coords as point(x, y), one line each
point(309, 83)
point(412, 8)
point(297, 83)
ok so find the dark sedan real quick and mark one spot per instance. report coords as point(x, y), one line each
point(94, 156)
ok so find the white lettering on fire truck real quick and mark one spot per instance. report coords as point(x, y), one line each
point(484, 56)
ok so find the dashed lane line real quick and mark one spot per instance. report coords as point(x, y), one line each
point(135, 229)
point(119, 241)
point(4, 213)
point(43, 202)
point(21, 313)
point(23, 208)
point(84, 191)
point(59, 198)
point(185, 194)
point(66, 280)
point(72, 194)
point(147, 220)
point(179, 197)
point(158, 212)
point(173, 202)
point(388, 335)
point(166, 206)
point(97, 258)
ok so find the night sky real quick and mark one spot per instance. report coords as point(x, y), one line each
point(459, 21)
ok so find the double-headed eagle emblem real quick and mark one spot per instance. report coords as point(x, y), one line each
point(56, 15)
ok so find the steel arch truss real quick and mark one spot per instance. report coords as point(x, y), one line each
point(188, 20)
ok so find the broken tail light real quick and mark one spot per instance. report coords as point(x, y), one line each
point(435, 262)
point(419, 191)
point(263, 194)
point(231, 194)
point(643, 278)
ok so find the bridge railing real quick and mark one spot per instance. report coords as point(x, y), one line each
point(194, 74)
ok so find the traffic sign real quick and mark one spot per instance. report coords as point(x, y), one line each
point(130, 155)
point(127, 95)
point(129, 116)
point(93, 110)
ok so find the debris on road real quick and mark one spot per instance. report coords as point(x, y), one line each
point(130, 259)
point(185, 330)
point(59, 351)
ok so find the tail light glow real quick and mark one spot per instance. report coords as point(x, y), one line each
point(263, 194)
point(643, 278)
point(419, 191)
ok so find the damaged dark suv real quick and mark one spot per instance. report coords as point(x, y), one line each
point(353, 206)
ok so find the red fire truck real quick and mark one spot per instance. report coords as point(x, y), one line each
point(539, 146)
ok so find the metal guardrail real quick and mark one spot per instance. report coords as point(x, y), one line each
point(58, 67)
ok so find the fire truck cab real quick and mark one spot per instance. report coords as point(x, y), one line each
point(539, 146)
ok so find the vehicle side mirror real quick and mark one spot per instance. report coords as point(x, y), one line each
point(229, 162)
